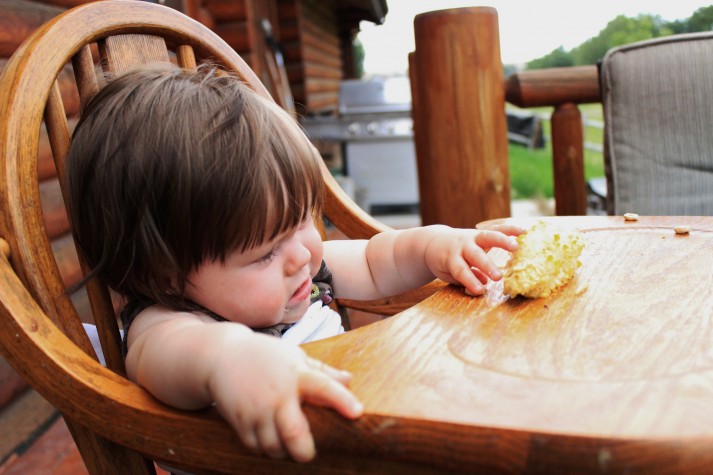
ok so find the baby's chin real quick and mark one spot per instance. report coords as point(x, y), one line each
point(293, 314)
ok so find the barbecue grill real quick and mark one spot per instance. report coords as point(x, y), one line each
point(375, 129)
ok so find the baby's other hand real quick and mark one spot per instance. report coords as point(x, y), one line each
point(261, 395)
point(459, 256)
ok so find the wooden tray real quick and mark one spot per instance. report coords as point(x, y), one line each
point(640, 307)
point(615, 379)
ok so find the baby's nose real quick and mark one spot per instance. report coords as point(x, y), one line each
point(299, 256)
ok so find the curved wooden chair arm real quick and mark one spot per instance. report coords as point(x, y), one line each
point(117, 424)
point(397, 303)
point(125, 413)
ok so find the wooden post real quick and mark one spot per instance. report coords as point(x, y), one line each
point(568, 160)
point(462, 153)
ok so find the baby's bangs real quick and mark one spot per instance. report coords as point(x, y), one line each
point(288, 185)
point(299, 186)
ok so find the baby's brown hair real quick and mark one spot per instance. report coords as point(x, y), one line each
point(170, 168)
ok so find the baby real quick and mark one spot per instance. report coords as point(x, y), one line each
point(195, 198)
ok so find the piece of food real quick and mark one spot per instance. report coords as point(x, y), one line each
point(682, 229)
point(631, 217)
point(546, 259)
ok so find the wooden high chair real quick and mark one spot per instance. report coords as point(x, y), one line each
point(118, 427)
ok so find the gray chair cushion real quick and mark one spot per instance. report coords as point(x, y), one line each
point(658, 113)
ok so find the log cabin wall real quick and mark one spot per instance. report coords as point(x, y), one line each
point(313, 55)
point(315, 36)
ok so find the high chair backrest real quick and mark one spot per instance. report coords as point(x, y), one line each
point(115, 423)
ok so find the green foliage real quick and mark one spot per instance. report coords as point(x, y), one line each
point(358, 52)
point(623, 30)
point(701, 20)
point(531, 174)
point(558, 58)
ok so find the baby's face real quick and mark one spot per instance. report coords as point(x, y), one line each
point(264, 286)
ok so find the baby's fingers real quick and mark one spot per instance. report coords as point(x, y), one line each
point(509, 229)
point(269, 439)
point(489, 239)
point(475, 256)
point(294, 431)
point(473, 279)
point(317, 387)
point(340, 375)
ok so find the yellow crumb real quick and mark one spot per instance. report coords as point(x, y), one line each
point(682, 229)
point(631, 217)
point(546, 259)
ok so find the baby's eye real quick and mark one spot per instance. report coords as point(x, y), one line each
point(267, 257)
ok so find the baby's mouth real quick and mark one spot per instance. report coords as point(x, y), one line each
point(301, 294)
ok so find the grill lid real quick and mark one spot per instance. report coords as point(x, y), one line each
point(375, 96)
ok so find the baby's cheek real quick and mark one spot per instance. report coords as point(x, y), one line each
point(316, 259)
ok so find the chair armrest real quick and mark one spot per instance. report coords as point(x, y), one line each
point(396, 303)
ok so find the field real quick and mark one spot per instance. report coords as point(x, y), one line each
point(531, 170)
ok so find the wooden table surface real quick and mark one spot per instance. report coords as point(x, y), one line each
point(613, 373)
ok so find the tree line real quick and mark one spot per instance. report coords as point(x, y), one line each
point(623, 30)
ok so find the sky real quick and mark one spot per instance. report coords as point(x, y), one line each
point(529, 29)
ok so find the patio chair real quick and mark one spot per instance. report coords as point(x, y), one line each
point(657, 97)
point(118, 427)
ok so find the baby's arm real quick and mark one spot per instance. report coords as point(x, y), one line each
point(257, 382)
point(397, 261)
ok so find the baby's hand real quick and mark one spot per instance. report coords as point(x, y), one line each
point(458, 256)
point(261, 396)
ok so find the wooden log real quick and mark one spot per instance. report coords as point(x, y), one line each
point(235, 33)
point(205, 17)
point(568, 160)
point(67, 3)
point(300, 72)
point(328, 46)
point(311, 54)
point(226, 10)
point(322, 102)
point(549, 87)
point(463, 171)
point(317, 85)
point(288, 9)
point(19, 19)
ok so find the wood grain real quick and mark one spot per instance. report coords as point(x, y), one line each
point(462, 151)
point(553, 86)
point(40, 330)
point(621, 372)
point(568, 160)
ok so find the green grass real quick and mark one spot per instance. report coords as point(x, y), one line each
point(531, 170)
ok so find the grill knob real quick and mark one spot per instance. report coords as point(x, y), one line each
point(353, 128)
point(372, 128)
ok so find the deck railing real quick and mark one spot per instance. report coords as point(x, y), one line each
point(459, 96)
point(564, 89)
